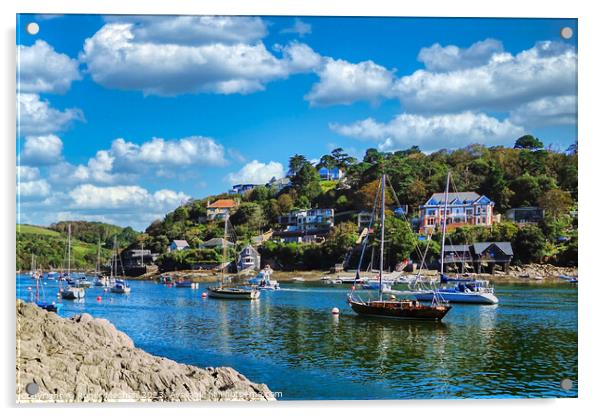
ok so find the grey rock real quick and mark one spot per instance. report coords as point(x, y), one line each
point(84, 359)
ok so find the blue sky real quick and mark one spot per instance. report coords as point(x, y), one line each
point(121, 118)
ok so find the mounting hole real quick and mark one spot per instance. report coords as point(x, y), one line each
point(32, 28)
point(566, 32)
point(566, 384)
point(32, 388)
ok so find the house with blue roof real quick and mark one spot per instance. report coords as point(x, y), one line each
point(331, 174)
point(463, 208)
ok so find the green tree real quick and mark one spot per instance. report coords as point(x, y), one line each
point(529, 244)
point(249, 214)
point(295, 163)
point(528, 142)
point(556, 202)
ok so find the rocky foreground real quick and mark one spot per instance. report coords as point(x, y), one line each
point(84, 359)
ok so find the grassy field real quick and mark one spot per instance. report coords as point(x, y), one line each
point(34, 229)
point(50, 248)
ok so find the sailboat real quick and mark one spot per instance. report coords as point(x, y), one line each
point(120, 285)
point(230, 292)
point(49, 306)
point(100, 280)
point(457, 290)
point(72, 291)
point(393, 308)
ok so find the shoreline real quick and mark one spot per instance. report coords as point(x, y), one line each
point(548, 273)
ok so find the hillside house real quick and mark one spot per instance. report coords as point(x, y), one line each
point(478, 256)
point(525, 215)
point(242, 188)
point(221, 208)
point(248, 259)
point(305, 225)
point(463, 208)
point(331, 174)
point(216, 243)
point(278, 185)
point(178, 245)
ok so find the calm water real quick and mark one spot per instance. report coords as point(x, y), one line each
point(289, 340)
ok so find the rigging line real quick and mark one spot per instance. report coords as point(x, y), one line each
point(404, 215)
point(365, 242)
point(453, 251)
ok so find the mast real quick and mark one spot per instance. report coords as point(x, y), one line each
point(382, 240)
point(98, 259)
point(224, 248)
point(69, 250)
point(142, 254)
point(35, 276)
point(444, 227)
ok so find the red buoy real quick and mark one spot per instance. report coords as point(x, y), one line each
point(98, 298)
point(204, 295)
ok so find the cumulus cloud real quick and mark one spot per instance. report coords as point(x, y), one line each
point(439, 58)
point(546, 111)
point(433, 132)
point(37, 117)
point(107, 198)
point(43, 70)
point(33, 189)
point(41, 150)
point(299, 28)
point(221, 55)
point(161, 152)
point(194, 30)
point(256, 172)
point(123, 205)
point(505, 82)
point(343, 82)
point(27, 173)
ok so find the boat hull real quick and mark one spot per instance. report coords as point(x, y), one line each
point(459, 297)
point(232, 293)
point(400, 310)
point(73, 293)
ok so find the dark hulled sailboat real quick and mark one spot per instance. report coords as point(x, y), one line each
point(398, 309)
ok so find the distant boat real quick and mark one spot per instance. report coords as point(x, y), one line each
point(72, 291)
point(52, 275)
point(569, 279)
point(392, 308)
point(49, 306)
point(231, 292)
point(120, 286)
point(184, 284)
point(263, 282)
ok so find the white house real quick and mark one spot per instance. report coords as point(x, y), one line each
point(178, 245)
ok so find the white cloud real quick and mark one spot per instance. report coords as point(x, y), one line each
point(342, 82)
point(546, 111)
point(299, 27)
point(33, 189)
point(438, 58)
point(27, 173)
point(42, 150)
point(433, 132)
point(130, 198)
point(37, 117)
point(122, 205)
point(194, 30)
point(299, 57)
point(43, 70)
point(219, 56)
point(160, 152)
point(256, 172)
point(505, 82)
